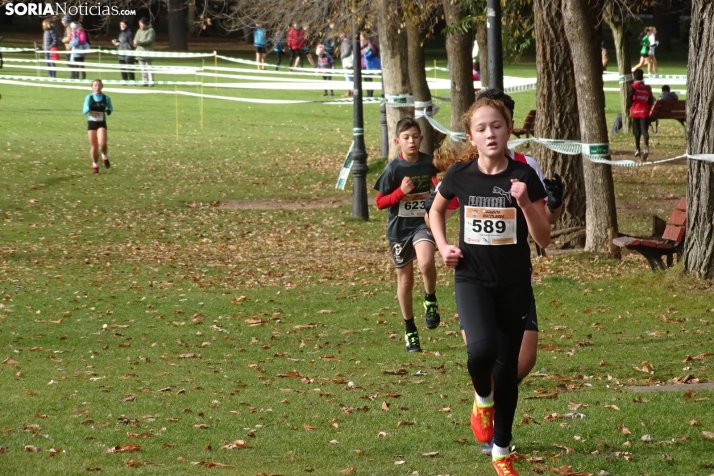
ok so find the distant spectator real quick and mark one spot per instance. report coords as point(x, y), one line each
point(668, 94)
point(604, 56)
point(325, 61)
point(348, 59)
point(296, 44)
point(306, 47)
point(67, 24)
point(370, 58)
point(144, 41)
point(278, 42)
point(124, 43)
point(476, 71)
point(330, 40)
point(78, 43)
point(260, 43)
point(50, 43)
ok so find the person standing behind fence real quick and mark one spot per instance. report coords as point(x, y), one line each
point(348, 60)
point(370, 59)
point(124, 43)
point(78, 43)
point(325, 61)
point(67, 37)
point(330, 40)
point(50, 43)
point(260, 43)
point(144, 41)
point(296, 43)
point(278, 42)
point(639, 103)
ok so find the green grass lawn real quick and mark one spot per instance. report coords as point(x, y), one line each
point(135, 307)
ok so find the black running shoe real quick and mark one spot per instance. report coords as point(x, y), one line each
point(432, 316)
point(412, 339)
point(106, 163)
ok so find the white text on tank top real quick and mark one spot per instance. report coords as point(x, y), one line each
point(490, 221)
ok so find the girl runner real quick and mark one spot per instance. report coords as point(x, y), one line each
point(96, 107)
point(500, 201)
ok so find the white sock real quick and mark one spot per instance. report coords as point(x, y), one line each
point(484, 401)
point(499, 453)
point(104, 157)
point(95, 164)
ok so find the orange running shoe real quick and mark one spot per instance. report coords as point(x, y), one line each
point(482, 422)
point(504, 467)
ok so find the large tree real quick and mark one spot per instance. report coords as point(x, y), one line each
point(617, 16)
point(395, 73)
point(177, 25)
point(459, 44)
point(699, 242)
point(600, 215)
point(557, 116)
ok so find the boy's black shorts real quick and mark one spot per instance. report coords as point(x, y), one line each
point(403, 252)
point(260, 49)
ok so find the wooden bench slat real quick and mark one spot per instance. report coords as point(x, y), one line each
point(674, 233)
point(682, 204)
point(678, 218)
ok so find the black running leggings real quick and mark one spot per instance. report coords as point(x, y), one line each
point(494, 320)
point(641, 127)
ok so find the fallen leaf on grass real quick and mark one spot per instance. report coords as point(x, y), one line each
point(708, 435)
point(385, 406)
point(350, 470)
point(568, 451)
point(403, 422)
point(381, 434)
point(32, 449)
point(612, 407)
point(139, 435)
point(237, 444)
point(431, 454)
point(125, 448)
point(94, 469)
point(202, 426)
point(132, 463)
point(211, 464)
point(325, 311)
point(395, 372)
point(308, 427)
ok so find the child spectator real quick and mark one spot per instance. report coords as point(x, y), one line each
point(259, 41)
point(402, 188)
point(278, 47)
point(639, 103)
point(325, 61)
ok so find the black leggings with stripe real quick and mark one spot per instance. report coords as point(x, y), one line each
point(494, 320)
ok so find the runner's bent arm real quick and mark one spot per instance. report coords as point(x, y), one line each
point(538, 225)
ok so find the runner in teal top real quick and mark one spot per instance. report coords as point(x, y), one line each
point(97, 107)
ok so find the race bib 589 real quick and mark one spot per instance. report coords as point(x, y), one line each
point(490, 226)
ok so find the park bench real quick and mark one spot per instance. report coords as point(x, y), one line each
point(528, 126)
point(668, 110)
point(654, 249)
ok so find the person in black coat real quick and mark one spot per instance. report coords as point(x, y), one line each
point(125, 42)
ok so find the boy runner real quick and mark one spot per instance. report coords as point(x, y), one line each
point(402, 187)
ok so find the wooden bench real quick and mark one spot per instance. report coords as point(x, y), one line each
point(528, 126)
point(669, 109)
point(654, 249)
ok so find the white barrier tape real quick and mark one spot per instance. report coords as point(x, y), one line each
point(345, 170)
point(626, 78)
point(42, 61)
point(455, 136)
point(16, 50)
point(365, 72)
point(89, 81)
point(155, 54)
point(399, 100)
point(436, 68)
point(617, 90)
point(83, 68)
point(291, 74)
point(81, 84)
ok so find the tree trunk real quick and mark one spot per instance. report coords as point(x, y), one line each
point(699, 242)
point(192, 26)
point(664, 21)
point(395, 79)
point(618, 22)
point(557, 117)
point(458, 52)
point(417, 80)
point(482, 40)
point(177, 25)
point(600, 215)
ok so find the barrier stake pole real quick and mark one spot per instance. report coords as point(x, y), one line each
point(436, 91)
point(37, 61)
point(215, 64)
point(176, 94)
point(100, 62)
point(201, 105)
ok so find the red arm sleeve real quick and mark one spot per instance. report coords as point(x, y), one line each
point(454, 204)
point(386, 201)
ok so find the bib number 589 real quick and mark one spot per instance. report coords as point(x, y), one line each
point(489, 226)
